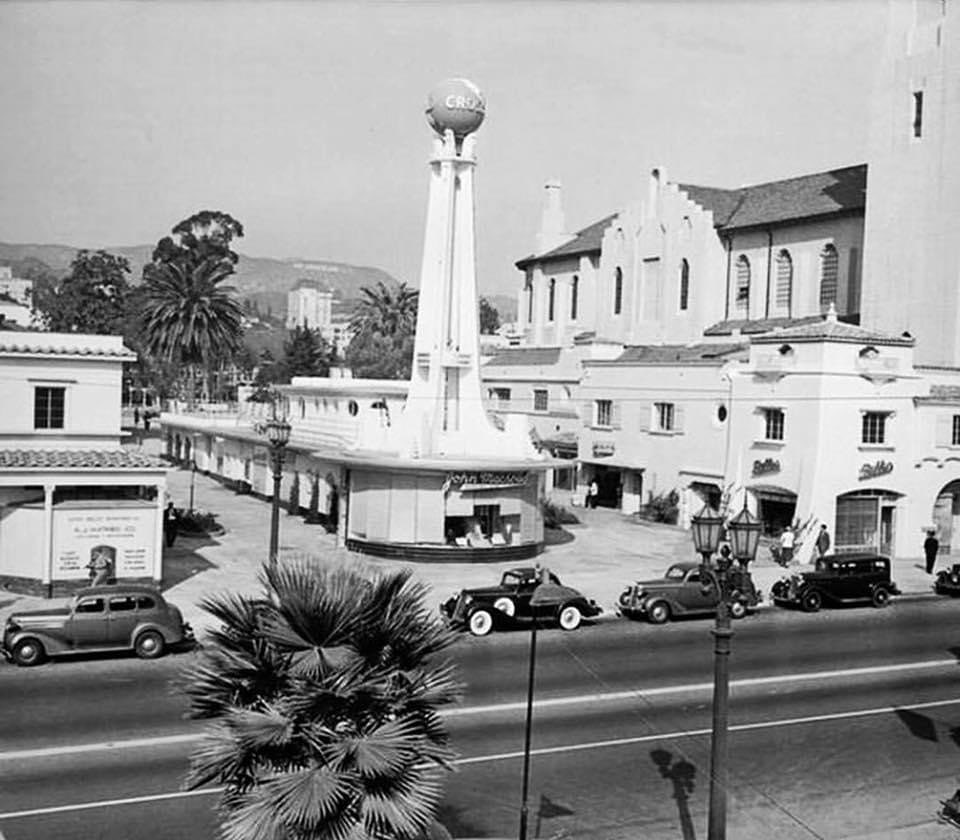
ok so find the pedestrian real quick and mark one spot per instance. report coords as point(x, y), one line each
point(823, 542)
point(146, 421)
point(99, 567)
point(592, 494)
point(787, 540)
point(136, 417)
point(931, 545)
point(171, 524)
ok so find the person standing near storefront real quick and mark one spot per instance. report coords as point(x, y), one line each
point(931, 545)
point(787, 540)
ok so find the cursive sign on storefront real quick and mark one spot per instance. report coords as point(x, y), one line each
point(877, 468)
point(765, 467)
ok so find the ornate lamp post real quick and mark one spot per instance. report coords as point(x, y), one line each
point(277, 431)
point(744, 533)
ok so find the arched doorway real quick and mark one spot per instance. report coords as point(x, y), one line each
point(946, 516)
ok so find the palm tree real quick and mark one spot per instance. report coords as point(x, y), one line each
point(385, 312)
point(324, 696)
point(188, 318)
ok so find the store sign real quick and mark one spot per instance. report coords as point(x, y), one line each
point(603, 450)
point(127, 537)
point(875, 469)
point(765, 467)
point(488, 479)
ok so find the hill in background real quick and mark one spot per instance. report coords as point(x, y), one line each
point(265, 281)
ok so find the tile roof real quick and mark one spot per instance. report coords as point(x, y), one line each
point(944, 392)
point(75, 459)
point(830, 329)
point(759, 325)
point(64, 344)
point(820, 194)
point(584, 241)
point(653, 354)
point(525, 356)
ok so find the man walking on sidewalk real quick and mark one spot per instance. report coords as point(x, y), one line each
point(931, 545)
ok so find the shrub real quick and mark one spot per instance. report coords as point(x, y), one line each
point(555, 515)
point(199, 522)
point(663, 507)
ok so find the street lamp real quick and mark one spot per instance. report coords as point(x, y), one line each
point(744, 533)
point(277, 431)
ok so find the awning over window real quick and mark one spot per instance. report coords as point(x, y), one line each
point(772, 493)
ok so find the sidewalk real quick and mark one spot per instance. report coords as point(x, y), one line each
point(601, 555)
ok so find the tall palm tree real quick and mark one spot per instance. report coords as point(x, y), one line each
point(189, 318)
point(386, 312)
point(324, 696)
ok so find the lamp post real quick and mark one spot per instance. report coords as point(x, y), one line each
point(744, 532)
point(277, 431)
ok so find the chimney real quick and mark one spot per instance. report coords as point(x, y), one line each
point(553, 227)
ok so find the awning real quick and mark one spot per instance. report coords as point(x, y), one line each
point(615, 462)
point(772, 493)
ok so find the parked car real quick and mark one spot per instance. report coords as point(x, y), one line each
point(948, 581)
point(507, 604)
point(683, 591)
point(97, 618)
point(840, 579)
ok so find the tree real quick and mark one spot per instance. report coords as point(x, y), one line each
point(307, 353)
point(489, 317)
point(189, 318)
point(91, 299)
point(202, 237)
point(324, 697)
point(383, 327)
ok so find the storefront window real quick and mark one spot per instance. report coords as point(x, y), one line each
point(857, 523)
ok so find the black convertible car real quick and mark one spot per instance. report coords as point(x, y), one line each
point(508, 603)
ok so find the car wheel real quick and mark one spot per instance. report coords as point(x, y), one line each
point(658, 613)
point(505, 605)
point(880, 597)
point(480, 623)
point(28, 652)
point(811, 601)
point(149, 645)
point(738, 609)
point(570, 617)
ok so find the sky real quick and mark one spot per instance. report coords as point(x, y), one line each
point(305, 120)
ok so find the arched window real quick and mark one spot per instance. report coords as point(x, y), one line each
point(551, 298)
point(529, 290)
point(742, 302)
point(684, 284)
point(617, 291)
point(829, 262)
point(574, 290)
point(784, 280)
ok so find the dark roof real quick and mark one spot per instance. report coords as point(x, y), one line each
point(830, 329)
point(654, 354)
point(584, 241)
point(821, 194)
point(760, 325)
point(75, 459)
point(525, 356)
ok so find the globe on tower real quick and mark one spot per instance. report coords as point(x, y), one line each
point(456, 104)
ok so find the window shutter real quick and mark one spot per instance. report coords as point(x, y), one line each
point(944, 429)
point(678, 418)
point(645, 409)
point(616, 414)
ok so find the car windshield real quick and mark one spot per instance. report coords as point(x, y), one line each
point(510, 579)
point(675, 573)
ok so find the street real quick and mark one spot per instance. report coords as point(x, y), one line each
point(843, 724)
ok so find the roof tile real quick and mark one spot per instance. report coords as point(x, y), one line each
point(73, 459)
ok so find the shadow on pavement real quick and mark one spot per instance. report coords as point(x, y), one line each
point(183, 559)
point(682, 774)
point(920, 726)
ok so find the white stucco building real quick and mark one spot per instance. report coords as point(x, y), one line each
point(67, 488)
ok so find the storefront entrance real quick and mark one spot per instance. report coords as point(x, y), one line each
point(866, 521)
point(609, 486)
point(776, 508)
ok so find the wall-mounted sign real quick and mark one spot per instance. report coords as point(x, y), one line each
point(603, 450)
point(875, 469)
point(126, 536)
point(765, 467)
point(489, 479)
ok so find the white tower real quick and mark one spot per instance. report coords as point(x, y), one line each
point(444, 415)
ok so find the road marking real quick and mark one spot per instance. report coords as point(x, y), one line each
point(548, 703)
point(509, 756)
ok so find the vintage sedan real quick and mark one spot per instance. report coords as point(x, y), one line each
point(948, 581)
point(839, 579)
point(508, 603)
point(683, 591)
point(97, 618)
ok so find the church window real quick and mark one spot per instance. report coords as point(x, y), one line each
point(829, 263)
point(617, 291)
point(684, 284)
point(574, 291)
point(917, 113)
point(784, 280)
point(551, 298)
point(743, 286)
